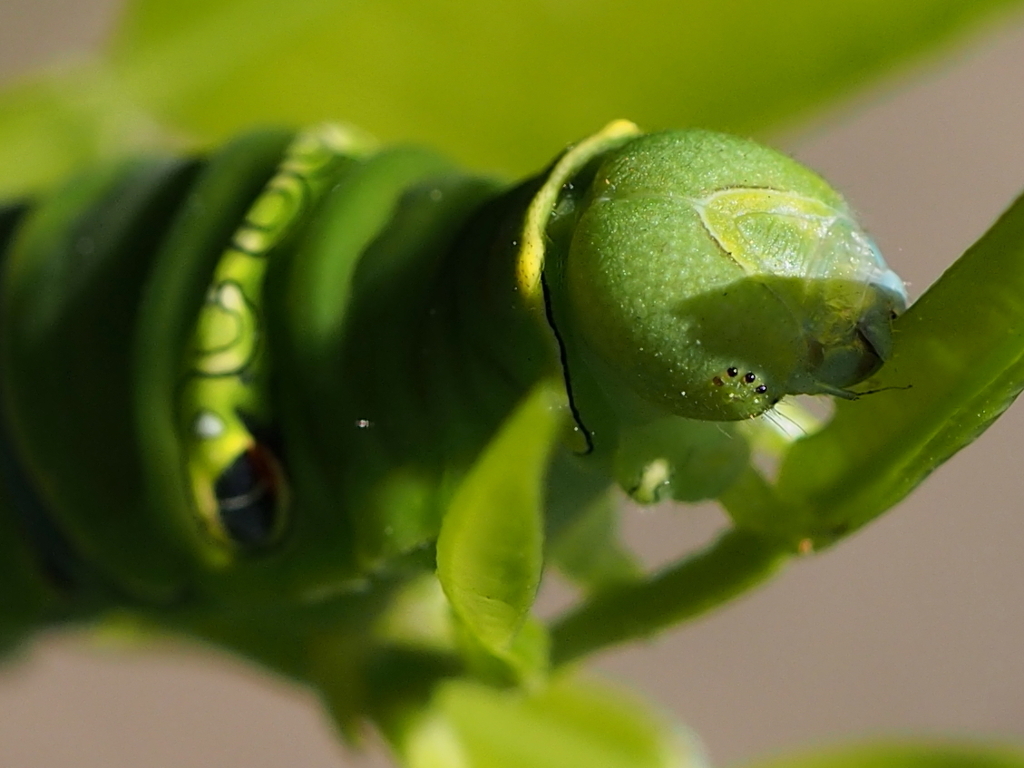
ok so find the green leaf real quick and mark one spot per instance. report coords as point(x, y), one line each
point(572, 722)
point(936, 755)
point(503, 83)
point(958, 363)
point(490, 549)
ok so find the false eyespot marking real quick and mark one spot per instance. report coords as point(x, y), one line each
point(248, 495)
point(238, 483)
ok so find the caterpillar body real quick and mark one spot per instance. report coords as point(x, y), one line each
point(237, 389)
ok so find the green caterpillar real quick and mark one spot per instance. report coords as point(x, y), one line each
point(244, 394)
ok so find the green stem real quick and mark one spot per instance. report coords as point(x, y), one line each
point(731, 565)
point(753, 505)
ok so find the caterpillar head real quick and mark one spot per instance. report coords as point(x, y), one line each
point(715, 276)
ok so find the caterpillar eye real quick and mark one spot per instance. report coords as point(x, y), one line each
point(248, 496)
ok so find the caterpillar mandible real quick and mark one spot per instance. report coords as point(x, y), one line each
point(242, 393)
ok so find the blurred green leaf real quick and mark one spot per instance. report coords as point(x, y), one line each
point(490, 549)
point(503, 84)
point(572, 722)
point(499, 85)
point(938, 755)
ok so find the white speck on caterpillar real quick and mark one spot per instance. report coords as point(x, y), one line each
point(208, 425)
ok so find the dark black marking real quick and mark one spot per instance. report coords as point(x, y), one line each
point(247, 497)
point(564, 358)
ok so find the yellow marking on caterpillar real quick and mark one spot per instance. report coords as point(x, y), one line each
point(530, 262)
point(227, 367)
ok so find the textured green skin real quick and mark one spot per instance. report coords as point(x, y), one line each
point(399, 342)
point(675, 321)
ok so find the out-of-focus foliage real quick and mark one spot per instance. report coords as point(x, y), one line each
point(499, 83)
point(570, 722)
point(496, 84)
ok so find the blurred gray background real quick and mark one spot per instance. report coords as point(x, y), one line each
point(913, 627)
